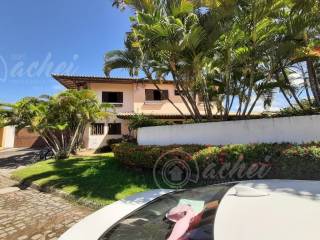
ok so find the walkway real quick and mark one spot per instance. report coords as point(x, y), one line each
point(30, 214)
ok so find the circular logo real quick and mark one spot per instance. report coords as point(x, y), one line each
point(175, 169)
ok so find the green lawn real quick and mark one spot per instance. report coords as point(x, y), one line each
point(99, 178)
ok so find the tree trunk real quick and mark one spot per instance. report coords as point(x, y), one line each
point(253, 104)
point(313, 82)
point(73, 140)
point(187, 98)
point(287, 99)
point(291, 89)
point(249, 91)
point(306, 86)
point(157, 87)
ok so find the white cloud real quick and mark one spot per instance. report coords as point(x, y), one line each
point(296, 79)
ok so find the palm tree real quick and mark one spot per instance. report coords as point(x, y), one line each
point(60, 120)
point(226, 51)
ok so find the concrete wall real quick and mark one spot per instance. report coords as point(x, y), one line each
point(8, 137)
point(288, 129)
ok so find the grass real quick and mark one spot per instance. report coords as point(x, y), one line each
point(99, 178)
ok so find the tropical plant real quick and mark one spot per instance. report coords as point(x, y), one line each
point(60, 120)
point(140, 120)
point(230, 53)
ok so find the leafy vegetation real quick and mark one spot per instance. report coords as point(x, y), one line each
point(104, 178)
point(60, 120)
point(309, 108)
point(286, 160)
point(230, 53)
point(139, 120)
point(134, 155)
point(100, 178)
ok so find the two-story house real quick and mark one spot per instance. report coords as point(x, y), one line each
point(129, 96)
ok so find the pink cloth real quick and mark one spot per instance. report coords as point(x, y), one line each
point(183, 216)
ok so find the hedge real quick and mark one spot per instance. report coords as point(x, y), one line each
point(285, 161)
point(145, 157)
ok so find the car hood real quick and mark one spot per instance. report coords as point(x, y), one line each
point(94, 225)
point(272, 209)
point(290, 210)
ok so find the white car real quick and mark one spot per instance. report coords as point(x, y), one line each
point(250, 210)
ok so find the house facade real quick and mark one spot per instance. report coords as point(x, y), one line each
point(129, 96)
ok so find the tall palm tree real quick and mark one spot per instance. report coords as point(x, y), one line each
point(226, 51)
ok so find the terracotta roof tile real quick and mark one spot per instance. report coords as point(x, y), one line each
point(73, 81)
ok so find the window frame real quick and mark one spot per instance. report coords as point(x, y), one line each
point(96, 131)
point(164, 95)
point(115, 132)
point(105, 99)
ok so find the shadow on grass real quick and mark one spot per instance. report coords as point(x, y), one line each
point(99, 178)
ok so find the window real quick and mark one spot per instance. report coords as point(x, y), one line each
point(176, 92)
point(114, 128)
point(97, 129)
point(112, 97)
point(156, 95)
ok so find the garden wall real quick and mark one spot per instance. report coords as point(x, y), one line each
point(300, 129)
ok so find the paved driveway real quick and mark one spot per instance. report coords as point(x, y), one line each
point(27, 213)
point(16, 157)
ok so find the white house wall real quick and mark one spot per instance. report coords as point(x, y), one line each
point(277, 130)
point(97, 141)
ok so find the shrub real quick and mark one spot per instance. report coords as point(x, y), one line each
point(287, 161)
point(299, 162)
point(112, 141)
point(145, 156)
point(108, 147)
point(139, 120)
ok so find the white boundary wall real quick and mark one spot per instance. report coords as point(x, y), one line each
point(300, 129)
point(9, 134)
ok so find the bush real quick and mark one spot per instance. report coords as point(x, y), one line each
point(112, 141)
point(140, 120)
point(108, 147)
point(299, 162)
point(145, 156)
point(287, 161)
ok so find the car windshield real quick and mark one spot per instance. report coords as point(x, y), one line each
point(150, 221)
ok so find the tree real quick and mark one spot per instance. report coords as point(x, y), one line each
point(60, 120)
point(226, 52)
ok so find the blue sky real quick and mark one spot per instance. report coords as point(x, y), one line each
point(40, 37)
point(62, 36)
